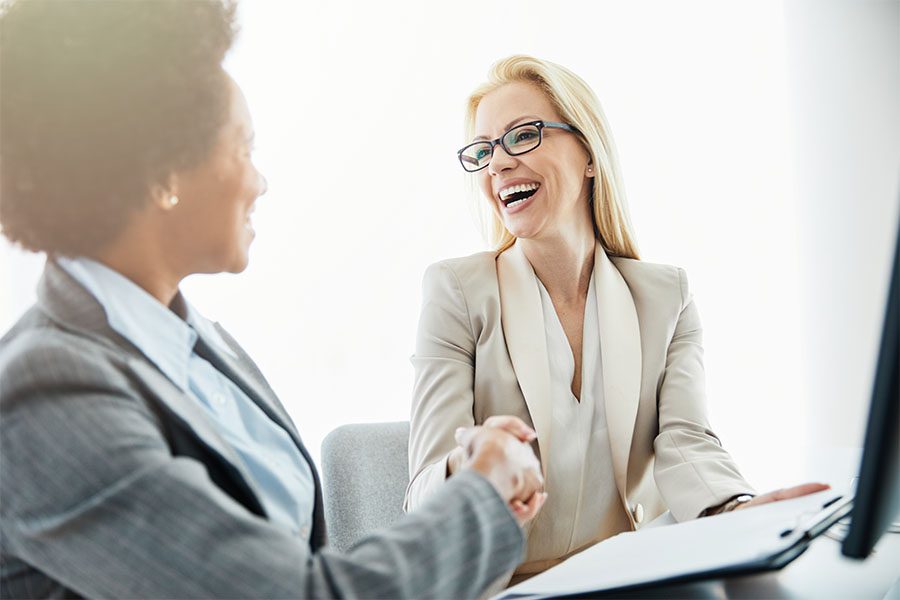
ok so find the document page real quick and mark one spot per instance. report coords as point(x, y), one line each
point(724, 541)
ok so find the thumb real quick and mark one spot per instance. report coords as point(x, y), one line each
point(464, 435)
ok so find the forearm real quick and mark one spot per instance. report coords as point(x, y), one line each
point(453, 546)
point(143, 523)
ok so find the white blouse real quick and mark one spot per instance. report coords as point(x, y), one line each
point(579, 456)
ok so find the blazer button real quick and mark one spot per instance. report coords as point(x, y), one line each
point(638, 513)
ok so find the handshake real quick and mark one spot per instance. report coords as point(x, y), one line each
point(500, 451)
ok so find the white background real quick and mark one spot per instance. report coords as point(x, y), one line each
point(759, 143)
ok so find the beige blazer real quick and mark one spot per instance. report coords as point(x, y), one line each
point(481, 351)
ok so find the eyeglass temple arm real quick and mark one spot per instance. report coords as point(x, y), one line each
point(560, 126)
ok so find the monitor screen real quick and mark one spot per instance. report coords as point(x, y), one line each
point(877, 500)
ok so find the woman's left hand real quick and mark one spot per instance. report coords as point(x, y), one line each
point(784, 494)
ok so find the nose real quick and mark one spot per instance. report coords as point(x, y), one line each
point(500, 160)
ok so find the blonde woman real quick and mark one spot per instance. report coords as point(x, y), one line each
point(563, 328)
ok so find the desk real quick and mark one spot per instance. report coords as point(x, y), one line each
point(820, 572)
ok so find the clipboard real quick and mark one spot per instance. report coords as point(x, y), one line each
point(763, 538)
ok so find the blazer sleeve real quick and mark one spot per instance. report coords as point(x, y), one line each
point(94, 499)
point(443, 396)
point(692, 470)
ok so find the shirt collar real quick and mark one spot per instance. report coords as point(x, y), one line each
point(207, 330)
point(156, 331)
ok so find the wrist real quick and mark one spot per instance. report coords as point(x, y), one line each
point(728, 506)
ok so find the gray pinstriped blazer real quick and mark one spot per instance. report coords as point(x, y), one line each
point(113, 483)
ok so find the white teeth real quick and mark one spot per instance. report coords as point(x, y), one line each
point(515, 189)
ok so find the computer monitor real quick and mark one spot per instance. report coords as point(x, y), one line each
point(877, 500)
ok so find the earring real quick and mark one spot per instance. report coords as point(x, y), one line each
point(590, 169)
point(172, 202)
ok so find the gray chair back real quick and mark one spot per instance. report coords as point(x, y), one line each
point(364, 477)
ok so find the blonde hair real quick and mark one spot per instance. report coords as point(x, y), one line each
point(577, 105)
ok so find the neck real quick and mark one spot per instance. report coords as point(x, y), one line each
point(140, 257)
point(563, 264)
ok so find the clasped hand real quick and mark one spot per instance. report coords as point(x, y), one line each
point(500, 451)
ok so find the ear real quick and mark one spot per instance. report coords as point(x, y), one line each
point(166, 197)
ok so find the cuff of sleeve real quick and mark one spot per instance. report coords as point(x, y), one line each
point(484, 490)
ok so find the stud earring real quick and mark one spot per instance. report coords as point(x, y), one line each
point(172, 202)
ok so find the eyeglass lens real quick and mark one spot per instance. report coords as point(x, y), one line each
point(517, 140)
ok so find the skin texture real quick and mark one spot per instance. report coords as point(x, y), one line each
point(784, 494)
point(499, 450)
point(560, 207)
point(208, 230)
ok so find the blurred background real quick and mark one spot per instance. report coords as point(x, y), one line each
point(760, 144)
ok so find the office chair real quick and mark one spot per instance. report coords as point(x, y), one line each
point(364, 473)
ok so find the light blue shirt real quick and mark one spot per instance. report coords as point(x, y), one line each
point(280, 472)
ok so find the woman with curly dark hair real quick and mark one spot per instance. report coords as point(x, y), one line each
point(143, 454)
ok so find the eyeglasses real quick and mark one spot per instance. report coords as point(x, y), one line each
point(518, 140)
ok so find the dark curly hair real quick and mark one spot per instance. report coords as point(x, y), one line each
point(100, 102)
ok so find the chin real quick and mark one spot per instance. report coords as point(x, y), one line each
point(238, 265)
point(521, 230)
point(235, 261)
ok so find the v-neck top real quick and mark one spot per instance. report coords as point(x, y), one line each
point(579, 456)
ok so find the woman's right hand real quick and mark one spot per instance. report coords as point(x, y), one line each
point(509, 423)
point(500, 451)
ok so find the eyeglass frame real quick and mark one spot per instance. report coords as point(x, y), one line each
point(540, 124)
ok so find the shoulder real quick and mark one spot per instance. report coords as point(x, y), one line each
point(466, 268)
point(648, 280)
point(469, 275)
point(37, 354)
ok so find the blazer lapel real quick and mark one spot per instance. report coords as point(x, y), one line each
point(522, 321)
point(192, 415)
point(243, 373)
point(65, 301)
point(620, 354)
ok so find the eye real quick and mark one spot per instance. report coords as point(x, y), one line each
point(525, 135)
point(481, 153)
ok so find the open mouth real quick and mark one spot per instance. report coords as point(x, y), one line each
point(517, 194)
point(248, 222)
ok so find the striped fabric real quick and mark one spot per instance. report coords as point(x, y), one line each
point(113, 483)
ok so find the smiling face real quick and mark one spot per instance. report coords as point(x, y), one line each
point(545, 192)
point(210, 229)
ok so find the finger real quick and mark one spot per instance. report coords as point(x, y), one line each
point(513, 425)
point(803, 490)
point(788, 493)
point(531, 483)
point(531, 509)
point(464, 435)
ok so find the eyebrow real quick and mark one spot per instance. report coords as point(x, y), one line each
point(509, 126)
